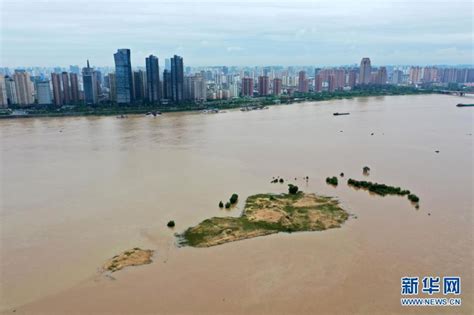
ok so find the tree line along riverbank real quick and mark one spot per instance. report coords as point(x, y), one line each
point(111, 109)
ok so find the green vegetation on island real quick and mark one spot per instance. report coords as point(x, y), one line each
point(292, 189)
point(332, 180)
point(233, 199)
point(382, 189)
point(268, 214)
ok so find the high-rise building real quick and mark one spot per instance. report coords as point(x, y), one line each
point(74, 87)
point(24, 87)
point(303, 86)
point(167, 94)
point(397, 77)
point(263, 85)
point(197, 88)
point(43, 92)
point(415, 75)
point(332, 83)
point(123, 76)
point(3, 93)
point(139, 85)
point(276, 86)
point(247, 87)
point(153, 79)
point(12, 95)
point(89, 82)
point(57, 94)
point(365, 71)
point(66, 88)
point(352, 78)
point(318, 83)
point(177, 79)
point(112, 87)
point(381, 77)
point(168, 64)
point(340, 76)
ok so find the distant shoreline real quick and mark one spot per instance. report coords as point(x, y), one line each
point(219, 105)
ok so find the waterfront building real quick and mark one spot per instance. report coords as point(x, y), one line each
point(177, 79)
point(66, 96)
point(167, 93)
point(277, 84)
point(10, 87)
point(57, 94)
point(3, 92)
point(43, 92)
point(381, 76)
point(123, 76)
point(332, 83)
point(74, 87)
point(153, 90)
point(365, 71)
point(318, 83)
point(139, 85)
point(112, 87)
point(303, 85)
point(24, 87)
point(247, 87)
point(263, 85)
point(89, 81)
point(352, 78)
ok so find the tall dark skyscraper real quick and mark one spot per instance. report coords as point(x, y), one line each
point(123, 76)
point(167, 84)
point(153, 79)
point(139, 85)
point(177, 79)
point(89, 80)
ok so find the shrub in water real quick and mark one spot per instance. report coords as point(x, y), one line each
point(233, 199)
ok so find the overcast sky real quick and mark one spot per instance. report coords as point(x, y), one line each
point(244, 32)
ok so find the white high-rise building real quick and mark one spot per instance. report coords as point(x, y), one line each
point(43, 93)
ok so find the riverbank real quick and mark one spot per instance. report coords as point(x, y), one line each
point(140, 109)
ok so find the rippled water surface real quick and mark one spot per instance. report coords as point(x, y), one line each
point(76, 191)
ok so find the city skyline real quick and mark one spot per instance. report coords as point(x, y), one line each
point(50, 33)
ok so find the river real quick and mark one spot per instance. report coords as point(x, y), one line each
point(76, 191)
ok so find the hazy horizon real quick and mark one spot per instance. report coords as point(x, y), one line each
point(50, 33)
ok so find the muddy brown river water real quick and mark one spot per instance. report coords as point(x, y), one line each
point(77, 191)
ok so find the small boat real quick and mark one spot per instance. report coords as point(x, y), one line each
point(465, 105)
point(339, 114)
point(154, 113)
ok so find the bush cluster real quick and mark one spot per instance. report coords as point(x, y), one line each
point(292, 189)
point(332, 180)
point(382, 189)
